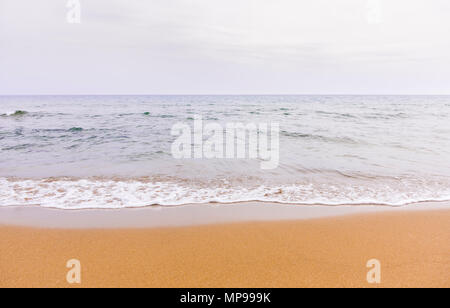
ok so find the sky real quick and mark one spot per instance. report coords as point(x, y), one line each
point(225, 47)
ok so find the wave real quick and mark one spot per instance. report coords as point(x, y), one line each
point(347, 140)
point(336, 114)
point(58, 130)
point(75, 129)
point(16, 113)
point(112, 193)
point(386, 116)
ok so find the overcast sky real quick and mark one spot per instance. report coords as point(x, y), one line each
point(226, 47)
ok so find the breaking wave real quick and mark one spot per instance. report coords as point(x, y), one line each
point(113, 193)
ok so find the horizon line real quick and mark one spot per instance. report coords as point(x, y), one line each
point(206, 94)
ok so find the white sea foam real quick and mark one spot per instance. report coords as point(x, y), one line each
point(111, 194)
point(7, 113)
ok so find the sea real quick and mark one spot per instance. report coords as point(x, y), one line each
point(109, 152)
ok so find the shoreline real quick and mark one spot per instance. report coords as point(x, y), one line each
point(412, 247)
point(190, 215)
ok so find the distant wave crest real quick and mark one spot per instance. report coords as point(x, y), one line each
point(16, 113)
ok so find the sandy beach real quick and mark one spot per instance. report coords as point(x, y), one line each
point(413, 248)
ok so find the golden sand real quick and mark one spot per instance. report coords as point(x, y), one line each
point(413, 248)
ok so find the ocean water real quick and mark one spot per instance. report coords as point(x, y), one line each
point(76, 152)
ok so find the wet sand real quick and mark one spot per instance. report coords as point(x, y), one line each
point(412, 246)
